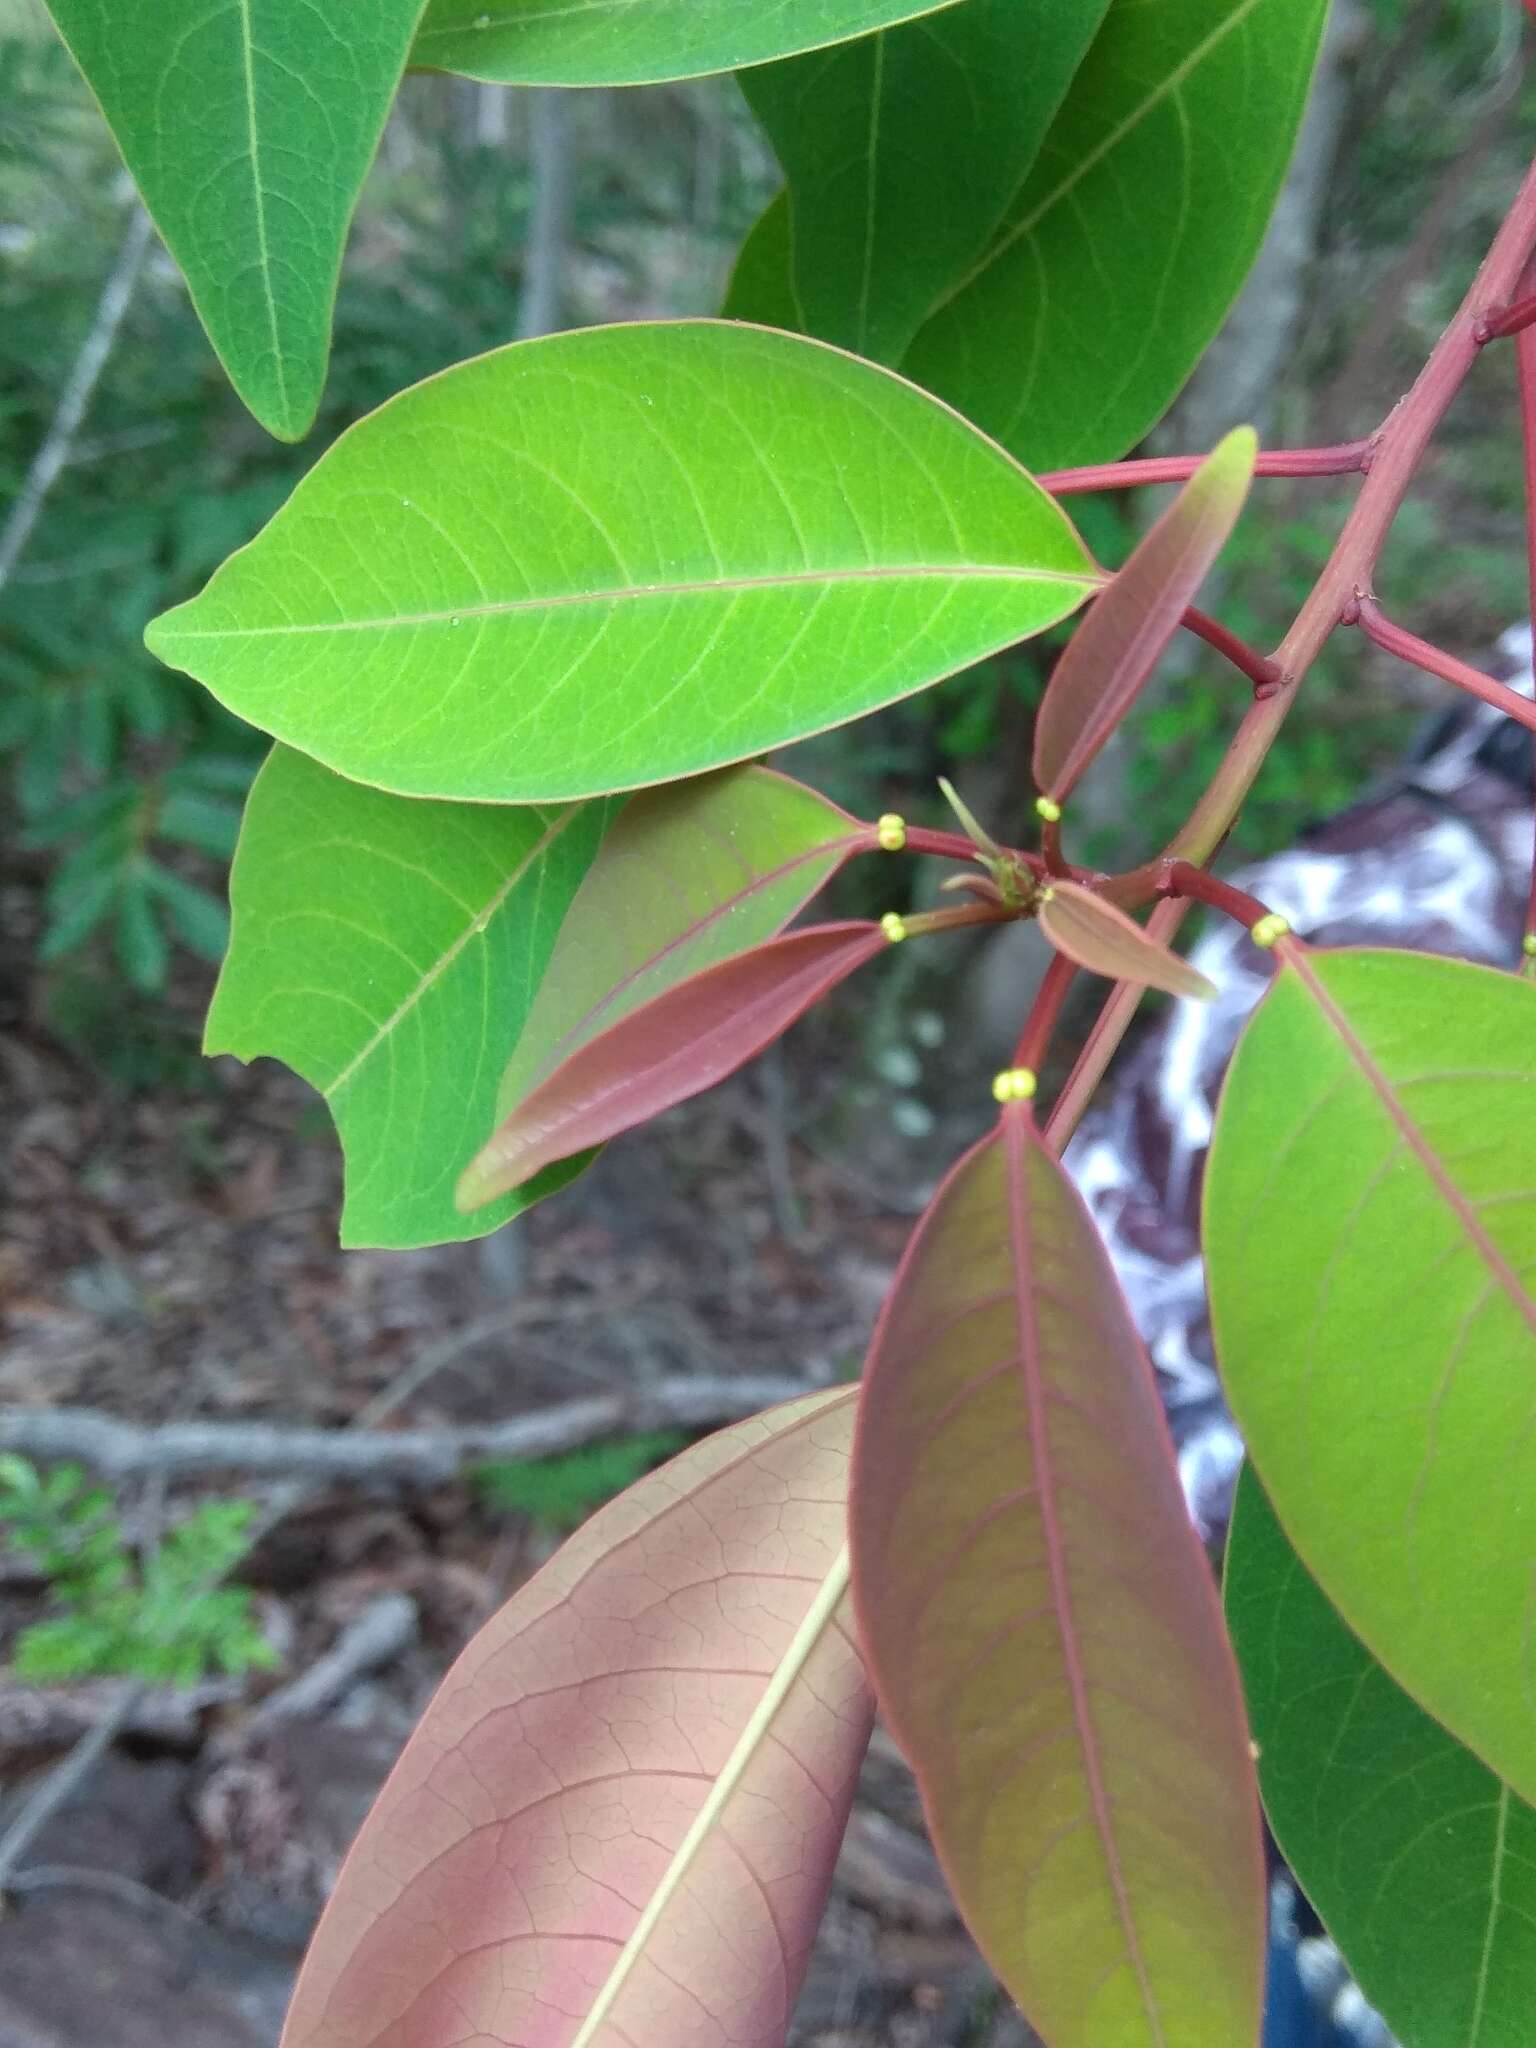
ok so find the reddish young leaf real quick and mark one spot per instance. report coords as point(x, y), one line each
point(1042, 1628)
point(616, 1825)
point(677, 1045)
point(687, 874)
point(1117, 644)
point(1105, 941)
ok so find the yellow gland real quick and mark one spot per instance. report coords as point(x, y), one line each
point(891, 831)
point(1048, 809)
point(1270, 928)
point(894, 926)
point(1015, 1084)
point(1528, 945)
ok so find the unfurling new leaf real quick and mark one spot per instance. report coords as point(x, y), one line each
point(1041, 1627)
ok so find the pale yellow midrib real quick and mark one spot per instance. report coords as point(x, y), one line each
point(440, 967)
point(1096, 156)
point(263, 244)
point(828, 1597)
point(1086, 578)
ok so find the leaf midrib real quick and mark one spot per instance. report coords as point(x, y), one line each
point(1434, 1169)
point(1085, 579)
point(817, 1618)
point(1013, 1140)
point(1111, 142)
point(259, 198)
point(473, 929)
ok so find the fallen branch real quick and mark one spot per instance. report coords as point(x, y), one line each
point(123, 1450)
point(385, 1629)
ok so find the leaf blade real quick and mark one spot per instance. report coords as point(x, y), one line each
point(1357, 1778)
point(1209, 90)
point(667, 1050)
point(635, 42)
point(1370, 1178)
point(682, 1608)
point(1118, 643)
point(902, 151)
point(249, 129)
point(770, 510)
point(1051, 1690)
point(1103, 939)
point(687, 875)
point(386, 951)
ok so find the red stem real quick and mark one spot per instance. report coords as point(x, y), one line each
point(1423, 654)
point(1348, 458)
point(1508, 320)
point(947, 845)
point(1525, 370)
point(1183, 878)
point(1258, 668)
point(1388, 463)
point(1043, 1014)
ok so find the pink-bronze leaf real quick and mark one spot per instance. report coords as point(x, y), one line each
point(1101, 938)
point(1042, 1628)
point(615, 1826)
point(673, 1047)
point(1118, 643)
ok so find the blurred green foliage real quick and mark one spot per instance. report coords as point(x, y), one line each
point(557, 1494)
point(126, 781)
point(159, 1614)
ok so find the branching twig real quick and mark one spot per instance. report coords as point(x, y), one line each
point(58, 444)
point(1395, 639)
point(122, 1450)
point(383, 1631)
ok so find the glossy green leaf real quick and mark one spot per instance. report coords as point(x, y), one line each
point(1420, 1862)
point(667, 1050)
point(1041, 1626)
point(1103, 939)
point(762, 287)
point(687, 875)
point(620, 556)
point(616, 1824)
point(388, 952)
point(1117, 645)
point(1370, 1230)
point(1120, 256)
point(902, 152)
point(636, 42)
point(248, 128)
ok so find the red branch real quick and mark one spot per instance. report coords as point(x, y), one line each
point(1423, 654)
point(1258, 668)
point(1525, 370)
point(1183, 878)
point(1347, 458)
point(1043, 1013)
point(1510, 320)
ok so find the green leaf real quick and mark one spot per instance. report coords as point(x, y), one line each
point(687, 875)
point(621, 556)
point(1421, 1863)
point(1120, 256)
point(636, 42)
point(248, 128)
point(1041, 1628)
point(1370, 1229)
point(902, 152)
point(388, 952)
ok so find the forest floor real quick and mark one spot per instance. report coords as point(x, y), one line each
point(170, 1256)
